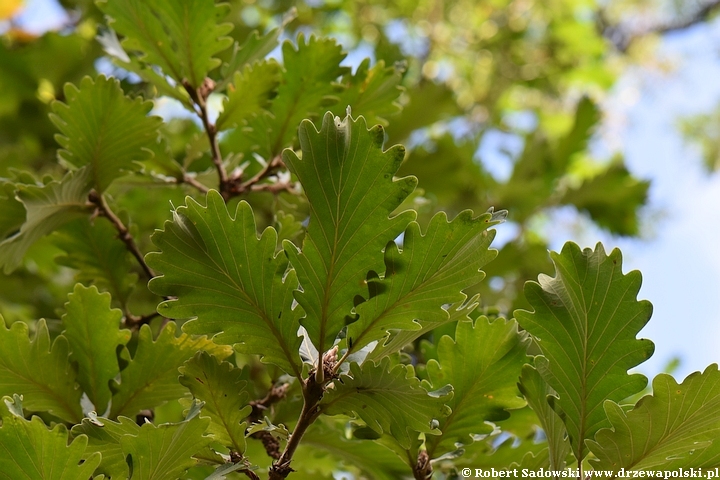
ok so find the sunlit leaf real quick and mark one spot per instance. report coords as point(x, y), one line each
point(678, 426)
point(249, 94)
point(349, 182)
point(585, 322)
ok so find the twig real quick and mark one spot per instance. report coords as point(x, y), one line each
point(192, 181)
point(312, 394)
point(199, 97)
point(422, 470)
point(98, 200)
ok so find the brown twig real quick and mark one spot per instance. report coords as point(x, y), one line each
point(422, 470)
point(103, 209)
point(199, 97)
point(192, 181)
point(312, 394)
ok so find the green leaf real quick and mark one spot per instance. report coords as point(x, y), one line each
point(458, 312)
point(536, 392)
point(249, 94)
point(151, 378)
point(349, 183)
point(47, 208)
point(611, 198)
point(98, 255)
point(370, 457)
point(104, 129)
point(12, 213)
point(92, 329)
point(311, 73)
point(179, 37)
point(219, 386)
point(41, 373)
point(483, 365)
point(104, 437)
point(372, 92)
point(28, 449)
point(165, 451)
point(585, 322)
point(387, 399)
point(431, 271)
point(230, 280)
point(677, 426)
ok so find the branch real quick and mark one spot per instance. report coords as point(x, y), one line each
point(622, 39)
point(103, 209)
point(312, 394)
point(199, 97)
point(422, 470)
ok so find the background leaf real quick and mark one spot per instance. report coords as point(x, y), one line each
point(41, 373)
point(47, 208)
point(104, 129)
point(349, 183)
point(387, 399)
point(249, 94)
point(28, 449)
point(99, 257)
point(229, 279)
point(92, 329)
point(585, 322)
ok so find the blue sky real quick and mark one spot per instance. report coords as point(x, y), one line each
point(679, 254)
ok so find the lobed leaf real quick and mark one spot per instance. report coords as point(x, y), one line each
point(47, 208)
point(431, 271)
point(220, 387)
point(28, 449)
point(585, 322)
point(165, 451)
point(151, 377)
point(229, 280)
point(104, 129)
point(104, 438)
point(349, 183)
point(38, 371)
point(250, 94)
point(482, 364)
point(536, 391)
point(179, 37)
point(678, 426)
point(93, 332)
point(387, 399)
point(309, 84)
point(373, 91)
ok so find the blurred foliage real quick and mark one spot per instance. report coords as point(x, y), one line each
point(471, 72)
